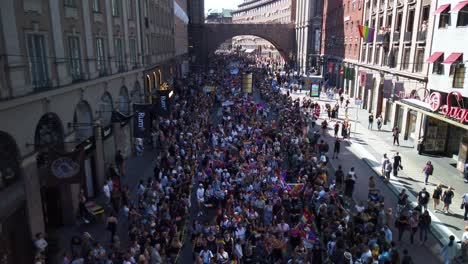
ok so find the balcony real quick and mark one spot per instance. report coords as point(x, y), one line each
point(396, 36)
point(408, 36)
point(421, 37)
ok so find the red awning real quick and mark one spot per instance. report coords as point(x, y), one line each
point(435, 56)
point(441, 9)
point(459, 6)
point(452, 58)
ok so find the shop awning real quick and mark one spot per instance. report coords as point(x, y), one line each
point(435, 56)
point(452, 58)
point(459, 6)
point(249, 50)
point(441, 9)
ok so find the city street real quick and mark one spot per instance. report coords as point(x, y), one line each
point(365, 150)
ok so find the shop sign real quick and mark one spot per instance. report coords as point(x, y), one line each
point(142, 122)
point(456, 112)
point(66, 167)
point(358, 101)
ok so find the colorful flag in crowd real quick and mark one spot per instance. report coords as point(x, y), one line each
point(294, 187)
point(367, 33)
point(247, 143)
point(220, 241)
point(311, 236)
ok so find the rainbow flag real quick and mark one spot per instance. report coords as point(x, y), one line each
point(367, 33)
point(294, 187)
point(247, 143)
point(220, 241)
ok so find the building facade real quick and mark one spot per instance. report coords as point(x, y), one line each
point(308, 33)
point(263, 11)
point(181, 21)
point(71, 71)
point(392, 65)
point(445, 111)
point(341, 41)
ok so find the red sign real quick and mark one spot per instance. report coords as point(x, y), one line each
point(455, 112)
point(341, 71)
point(362, 80)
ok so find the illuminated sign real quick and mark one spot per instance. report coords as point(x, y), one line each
point(164, 86)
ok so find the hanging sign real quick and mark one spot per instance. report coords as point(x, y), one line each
point(142, 121)
point(455, 112)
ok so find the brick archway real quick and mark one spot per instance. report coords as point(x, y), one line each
point(280, 35)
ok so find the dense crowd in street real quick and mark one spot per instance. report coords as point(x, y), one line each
point(258, 167)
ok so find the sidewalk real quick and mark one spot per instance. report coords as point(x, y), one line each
point(379, 142)
point(360, 153)
point(137, 168)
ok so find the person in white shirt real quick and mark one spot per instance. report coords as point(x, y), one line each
point(464, 244)
point(107, 193)
point(222, 256)
point(200, 198)
point(206, 255)
point(388, 233)
point(40, 243)
point(465, 205)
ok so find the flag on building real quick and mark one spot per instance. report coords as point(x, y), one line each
point(367, 33)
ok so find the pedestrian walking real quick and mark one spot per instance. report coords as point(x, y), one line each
point(424, 226)
point(436, 195)
point(349, 186)
point(111, 224)
point(464, 245)
point(379, 122)
point(385, 161)
point(200, 199)
point(428, 170)
point(339, 177)
point(371, 121)
point(336, 128)
point(396, 164)
point(423, 198)
point(464, 205)
point(396, 135)
point(414, 224)
point(119, 162)
point(336, 148)
point(402, 224)
point(388, 170)
point(466, 172)
point(449, 251)
point(447, 199)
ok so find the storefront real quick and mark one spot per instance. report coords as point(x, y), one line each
point(444, 128)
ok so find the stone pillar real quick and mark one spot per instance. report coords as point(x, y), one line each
point(419, 126)
point(32, 188)
point(110, 37)
point(125, 33)
point(16, 66)
point(57, 32)
point(99, 157)
point(404, 124)
point(89, 41)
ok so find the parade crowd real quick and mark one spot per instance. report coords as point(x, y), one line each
point(255, 170)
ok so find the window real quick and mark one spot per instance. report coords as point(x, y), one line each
point(444, 19)
point(119, 54)
point(75, 57)
point(462, 18)
point(409, 26)
point(96, 6)
point(398, 22)
point(438, 67)
point(406, 58)
point(131, 9)
point(69, 3)
point(459, 75)
point(38, 60)
point(418, 66)
point(133, 55)
point(100, 56)
point(115, 7)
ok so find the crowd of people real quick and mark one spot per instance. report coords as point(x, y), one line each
point(255, 168)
